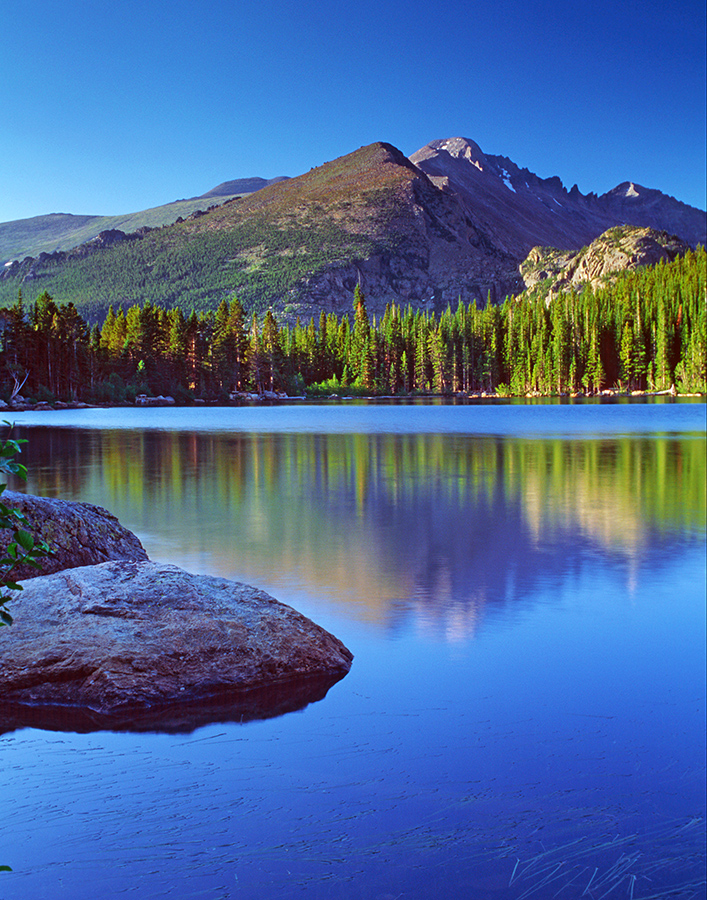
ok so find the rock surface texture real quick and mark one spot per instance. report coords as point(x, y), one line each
point(617, 250)
point(80, 534)
point(137, 645)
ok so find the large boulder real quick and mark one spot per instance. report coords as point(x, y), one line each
point(137, 645)
point(79, 534)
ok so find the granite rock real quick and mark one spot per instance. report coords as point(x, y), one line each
point(79, 534)
point(135, 645)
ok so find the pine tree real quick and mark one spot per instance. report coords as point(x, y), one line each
point(271, 353)
point(360, 340)
point(255, 355)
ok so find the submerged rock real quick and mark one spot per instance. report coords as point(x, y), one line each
point(137, 645)
point(79, 534)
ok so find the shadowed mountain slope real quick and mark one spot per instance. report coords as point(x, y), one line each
point(518, 210)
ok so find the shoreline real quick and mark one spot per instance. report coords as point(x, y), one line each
point(268, 397)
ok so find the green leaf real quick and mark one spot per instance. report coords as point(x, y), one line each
point(25, 540)
point(5, 619)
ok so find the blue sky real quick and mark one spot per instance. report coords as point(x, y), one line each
point(109, 108)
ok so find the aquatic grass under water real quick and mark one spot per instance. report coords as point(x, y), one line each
point(326, 835)
point(637, 873)
point(625, 866)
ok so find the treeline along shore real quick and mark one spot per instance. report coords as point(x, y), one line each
point(646, 330)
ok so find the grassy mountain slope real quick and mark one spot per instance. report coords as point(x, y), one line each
point(63, 231)
point(268, 247)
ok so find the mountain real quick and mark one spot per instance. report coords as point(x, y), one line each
point(448, 223)
point(240, 186)
point(300, 245)
point(517, 210)
point(63, 231)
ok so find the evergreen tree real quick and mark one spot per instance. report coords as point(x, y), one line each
point(271, 353)
point(359, 355)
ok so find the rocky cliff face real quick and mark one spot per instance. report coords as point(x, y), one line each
point(618, 249)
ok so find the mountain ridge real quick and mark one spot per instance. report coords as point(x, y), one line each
point(522, 210)
point(48, 233)
point(448, 223)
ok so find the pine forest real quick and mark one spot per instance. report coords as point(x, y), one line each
point(644, 331)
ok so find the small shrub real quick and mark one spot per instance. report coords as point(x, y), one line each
point(24, 548)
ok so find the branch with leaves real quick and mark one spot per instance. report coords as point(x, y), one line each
point(24, 548)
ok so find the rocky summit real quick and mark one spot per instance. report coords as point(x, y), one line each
point(137, 645)
point(517, 210)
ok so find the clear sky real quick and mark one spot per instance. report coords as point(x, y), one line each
point(113, 107)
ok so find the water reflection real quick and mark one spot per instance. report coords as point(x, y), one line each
point(561, 752)
point(440, 528)
point(266, 702)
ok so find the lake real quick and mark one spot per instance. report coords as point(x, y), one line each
point(523, 587)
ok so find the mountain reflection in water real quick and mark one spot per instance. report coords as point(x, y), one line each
point(436, 527)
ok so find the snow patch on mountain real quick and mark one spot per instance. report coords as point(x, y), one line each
point(507, 180)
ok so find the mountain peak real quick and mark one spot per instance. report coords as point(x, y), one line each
point(517, 209)
point(463, 148)
point(240, 186)
point(457, 147)
point(628, 189)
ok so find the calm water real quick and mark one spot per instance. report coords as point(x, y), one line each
point(523, 587)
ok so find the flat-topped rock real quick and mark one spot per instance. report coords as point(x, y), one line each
point(80, 534)
point(138, 645)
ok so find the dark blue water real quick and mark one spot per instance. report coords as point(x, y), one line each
point(523, 587)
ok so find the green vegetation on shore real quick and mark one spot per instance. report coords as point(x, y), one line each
point(647, 330)
point(18, 545)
